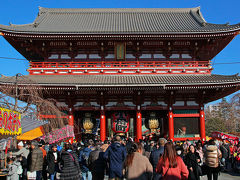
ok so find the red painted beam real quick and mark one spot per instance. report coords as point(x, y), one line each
point(186, 115)
point(185, 138)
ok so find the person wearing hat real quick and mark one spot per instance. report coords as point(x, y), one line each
point(22, 150)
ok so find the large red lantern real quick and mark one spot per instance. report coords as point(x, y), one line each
point(120, 122)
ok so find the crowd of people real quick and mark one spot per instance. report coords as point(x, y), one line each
point(123, 159)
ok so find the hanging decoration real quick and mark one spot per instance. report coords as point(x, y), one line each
point(88, 123)
point(120, 122)
point(152, 122)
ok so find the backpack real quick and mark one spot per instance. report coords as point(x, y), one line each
point(19, 169)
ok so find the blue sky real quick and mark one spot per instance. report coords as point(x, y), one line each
point(214, 11)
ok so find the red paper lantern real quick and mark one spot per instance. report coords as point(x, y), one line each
point(120, 122)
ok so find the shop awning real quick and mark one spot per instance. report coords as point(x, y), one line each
point(32, 134)
point(31, 127)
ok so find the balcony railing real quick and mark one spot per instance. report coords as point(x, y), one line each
point(115, 67)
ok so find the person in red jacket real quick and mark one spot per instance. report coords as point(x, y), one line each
point(171, 166)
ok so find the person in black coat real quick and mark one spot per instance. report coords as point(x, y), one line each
point(191, 160)
point(97, 163)
point(53, 160)
point(70, 169)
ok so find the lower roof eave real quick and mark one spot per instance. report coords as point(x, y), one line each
point(164, 86)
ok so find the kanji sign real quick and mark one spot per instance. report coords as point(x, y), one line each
point(10, 122)
point(58, 135)
point(120, 123)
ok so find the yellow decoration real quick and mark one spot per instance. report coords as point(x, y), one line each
point(88, 124)
point(153, 124)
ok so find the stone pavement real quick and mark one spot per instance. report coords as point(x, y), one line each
point(225, 176)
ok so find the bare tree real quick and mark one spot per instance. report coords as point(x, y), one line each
point(25, 96)
point(225, 116)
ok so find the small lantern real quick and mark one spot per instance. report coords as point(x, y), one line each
point(88, 123)
point(120, 122)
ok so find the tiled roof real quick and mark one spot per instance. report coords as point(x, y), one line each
point(122, 80)
point(120, 21)
point(30, 122)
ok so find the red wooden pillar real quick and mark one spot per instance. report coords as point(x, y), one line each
point(71, 121)
point(202, 124)
point(103, 126)
point(170, 124)
point(138, 126)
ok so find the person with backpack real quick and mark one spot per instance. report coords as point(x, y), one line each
point(171, 166)
point(83, 161)
point(70, 169)
point(155, 156)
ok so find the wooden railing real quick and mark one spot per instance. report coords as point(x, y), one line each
point(119, 66)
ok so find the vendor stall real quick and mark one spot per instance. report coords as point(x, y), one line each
point(58, 135)
point(221, 135)
point(31, 127)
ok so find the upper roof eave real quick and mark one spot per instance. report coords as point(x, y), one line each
point(55, 21)
point(26, 33)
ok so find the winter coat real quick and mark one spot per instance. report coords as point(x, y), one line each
point(35, 160)
point(225, 150)
point(178, 173)
point(23, 152)
point(96, 162)
point(83, 159)
point(50, 160)
point(115, 154)
point(140, 169)
point(212, 156)
point(191, 162)
point(70, 169)
point(155, 156)
point(12, 171)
